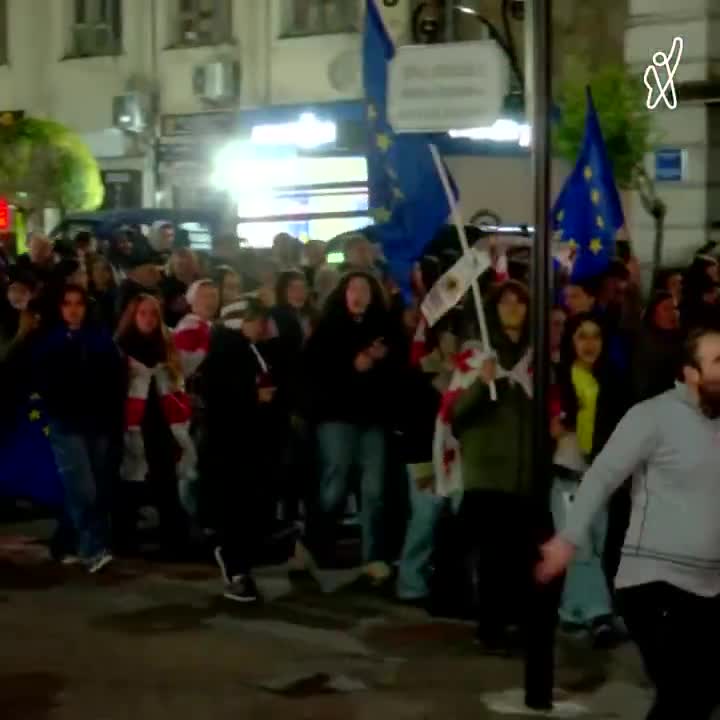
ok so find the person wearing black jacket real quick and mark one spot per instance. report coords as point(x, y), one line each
point(240, 417)
point(291, 322)
point(657, 353)
point(423, 384)
point(350, 369)
point(78, 373)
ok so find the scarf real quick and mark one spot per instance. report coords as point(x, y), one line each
point(192, 340)
point(175, 405)
point(446, 447)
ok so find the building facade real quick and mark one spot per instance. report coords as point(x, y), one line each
point(689, 135)
point(193, 80)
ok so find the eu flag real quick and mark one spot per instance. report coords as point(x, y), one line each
point(27, 464)
point(588, 212)
point(407, 199)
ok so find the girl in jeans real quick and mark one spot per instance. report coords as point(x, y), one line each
point(587, 406)
point(350, 373)
point(80, 378)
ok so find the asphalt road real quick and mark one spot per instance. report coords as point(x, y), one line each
point(154, 642)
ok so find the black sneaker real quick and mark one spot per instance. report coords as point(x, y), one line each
point(605, 634)
point(242, 589)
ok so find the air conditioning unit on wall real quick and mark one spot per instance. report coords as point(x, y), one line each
point(218, 82)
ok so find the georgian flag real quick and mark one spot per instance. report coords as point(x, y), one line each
point(192, 340)
point(446, 447)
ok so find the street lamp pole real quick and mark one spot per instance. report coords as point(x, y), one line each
point(539, 661)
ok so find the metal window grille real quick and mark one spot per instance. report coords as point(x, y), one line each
point(321, 17)
point(97, 27)
point(204, 22)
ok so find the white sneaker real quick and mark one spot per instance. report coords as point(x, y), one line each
point(99, 562)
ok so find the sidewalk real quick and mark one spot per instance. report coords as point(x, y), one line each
point(155, 642)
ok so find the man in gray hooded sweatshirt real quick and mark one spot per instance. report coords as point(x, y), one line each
point(669, 577)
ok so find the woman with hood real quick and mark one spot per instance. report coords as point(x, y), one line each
point(158, 447)
point(497, 476)
point(658, 348)
point(350, 372)
point(79, 376)
point(589, 406)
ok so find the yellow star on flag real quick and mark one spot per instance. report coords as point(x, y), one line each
point(588, 172)
point(382, 215)
point(391, 172)
point(34, 415)
point(595, 197)
point(600, 222)
point(46, 431)
point(383, 141)
point(561, 216)
point(596, 245)
point(35, 396)
point(398, 193)
point(572, 243)
point(372, 113)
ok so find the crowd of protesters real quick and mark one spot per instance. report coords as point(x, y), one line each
point(247, 395)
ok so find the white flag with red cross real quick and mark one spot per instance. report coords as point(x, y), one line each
point(446, 447)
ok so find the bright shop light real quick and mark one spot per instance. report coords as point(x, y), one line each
point(239, 167)
point(501, 131)
point(307, 133)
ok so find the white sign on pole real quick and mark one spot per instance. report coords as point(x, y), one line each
point(452, 86)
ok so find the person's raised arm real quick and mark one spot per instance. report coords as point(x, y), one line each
point(629, 447)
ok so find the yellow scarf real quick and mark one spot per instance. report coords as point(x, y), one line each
point(586, 389)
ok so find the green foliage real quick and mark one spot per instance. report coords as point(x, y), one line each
point(619, 99)
point(44, 164)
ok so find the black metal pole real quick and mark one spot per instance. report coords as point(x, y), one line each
point(540, 656)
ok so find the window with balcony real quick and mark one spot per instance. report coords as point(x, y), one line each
point(204, 22)
point(97, 28)
point(305, 18)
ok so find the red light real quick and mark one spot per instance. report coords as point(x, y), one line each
point(4, 215)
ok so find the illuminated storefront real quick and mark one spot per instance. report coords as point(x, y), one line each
point(294, 169)
point(288, 178)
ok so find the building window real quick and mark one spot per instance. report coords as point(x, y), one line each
point(320, 17)
point(97, 28)
point(204, 22)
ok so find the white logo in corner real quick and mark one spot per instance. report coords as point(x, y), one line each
point(665, 89)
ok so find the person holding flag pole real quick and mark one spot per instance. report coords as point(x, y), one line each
point(411, 196)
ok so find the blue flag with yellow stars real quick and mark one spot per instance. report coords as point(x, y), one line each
point(407, 199)
point(588, 212)
point(27, 463)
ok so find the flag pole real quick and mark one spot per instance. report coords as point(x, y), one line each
point(540, 648)
point(460, 227)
